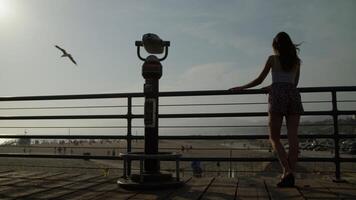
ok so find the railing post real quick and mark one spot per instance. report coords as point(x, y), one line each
point(129, 131)
point(230, 173)
point(336, 136)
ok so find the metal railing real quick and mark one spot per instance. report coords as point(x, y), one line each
point(129, 116)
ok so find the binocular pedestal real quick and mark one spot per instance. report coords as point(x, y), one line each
point(149, 176)
point(149, 179)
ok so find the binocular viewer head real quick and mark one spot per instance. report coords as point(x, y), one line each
point(153, 44)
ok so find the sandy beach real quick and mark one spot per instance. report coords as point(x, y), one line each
point(193, 148)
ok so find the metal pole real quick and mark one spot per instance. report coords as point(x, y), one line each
point(151, 130)
point(129, 130)
point(125, 168)
point(177, 169)
point(230, 164)
point(336, 136)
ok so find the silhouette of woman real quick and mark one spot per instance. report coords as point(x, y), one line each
point(284, 100)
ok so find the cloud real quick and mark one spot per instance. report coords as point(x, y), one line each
point(212, 76)
point(206, 76)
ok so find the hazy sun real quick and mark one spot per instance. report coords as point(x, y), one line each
point(5, 9)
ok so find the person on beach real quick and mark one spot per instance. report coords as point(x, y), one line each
point(197, 170)
point(284, 100)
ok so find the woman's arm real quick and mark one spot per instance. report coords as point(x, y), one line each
point(259, 79)
point(296, 81)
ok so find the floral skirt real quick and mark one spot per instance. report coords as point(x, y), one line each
point(284, 98)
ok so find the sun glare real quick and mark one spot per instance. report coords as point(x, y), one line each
point(5, 9)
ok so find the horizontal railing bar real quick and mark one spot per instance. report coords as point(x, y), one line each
point(179, 126)
point(66, 136)
point(161, 105)
point(56, 167)
point(224, 137)
point(175, 137)
point(346, 101)
point(212, 104)
point(59, 107)
point(328, 89)
point(65, 127)
point(256, 159)
point(239, 126)
point(203, 115)
point(118, 148)
point(346, 112)
point(72, 97)
point(244, 114)
point(192, 115)
point(142, 148)
point(239, 103)
point(347, 159)
point(16, 155)
point(124, 148)
point(223, 159)
point(63, 117)
point(210, 93)
point(166, 94)
point(68, 147)
point(255, 91)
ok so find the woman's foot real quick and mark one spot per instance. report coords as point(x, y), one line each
point(287, 181)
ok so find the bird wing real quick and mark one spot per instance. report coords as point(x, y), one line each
point(64, 51)
point(71, 58)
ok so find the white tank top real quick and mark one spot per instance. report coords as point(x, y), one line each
point(280, 76)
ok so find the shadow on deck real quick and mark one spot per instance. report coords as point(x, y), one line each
point(83, 186)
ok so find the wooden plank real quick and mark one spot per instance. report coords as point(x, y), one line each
point(157, 194)
point(15, 178)
point(48, 185)
point(281, 193)
point(312, 189)
point(88, 190)
point(5, 194)
point(194, 189)
point(102, 191)
point(4, 171)
point(6, 198)
point(19, 174)
point(32, 185)
point(341, 190)
point(114, 193)
point(221, 189)
point(10, 185)
point(52, 186)
point(251, 188)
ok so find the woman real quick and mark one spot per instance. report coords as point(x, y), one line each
point(284, 100)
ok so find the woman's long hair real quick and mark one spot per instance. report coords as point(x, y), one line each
point(287, 51)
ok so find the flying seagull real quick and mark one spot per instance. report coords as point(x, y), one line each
point(65, 54)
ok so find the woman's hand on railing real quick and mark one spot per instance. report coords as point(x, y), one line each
point(235, 89)
point(267, 88)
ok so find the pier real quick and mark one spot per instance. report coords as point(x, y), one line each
point(83, 182)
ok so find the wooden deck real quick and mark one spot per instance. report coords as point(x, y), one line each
point(34, 185)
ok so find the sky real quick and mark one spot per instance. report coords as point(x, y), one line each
point(225, 42)
point(215, 45)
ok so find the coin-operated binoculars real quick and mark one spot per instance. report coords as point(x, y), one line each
point(152, 72)
point(150, 175)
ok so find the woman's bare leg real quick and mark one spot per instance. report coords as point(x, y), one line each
point(275, 123)
point(292, 127)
